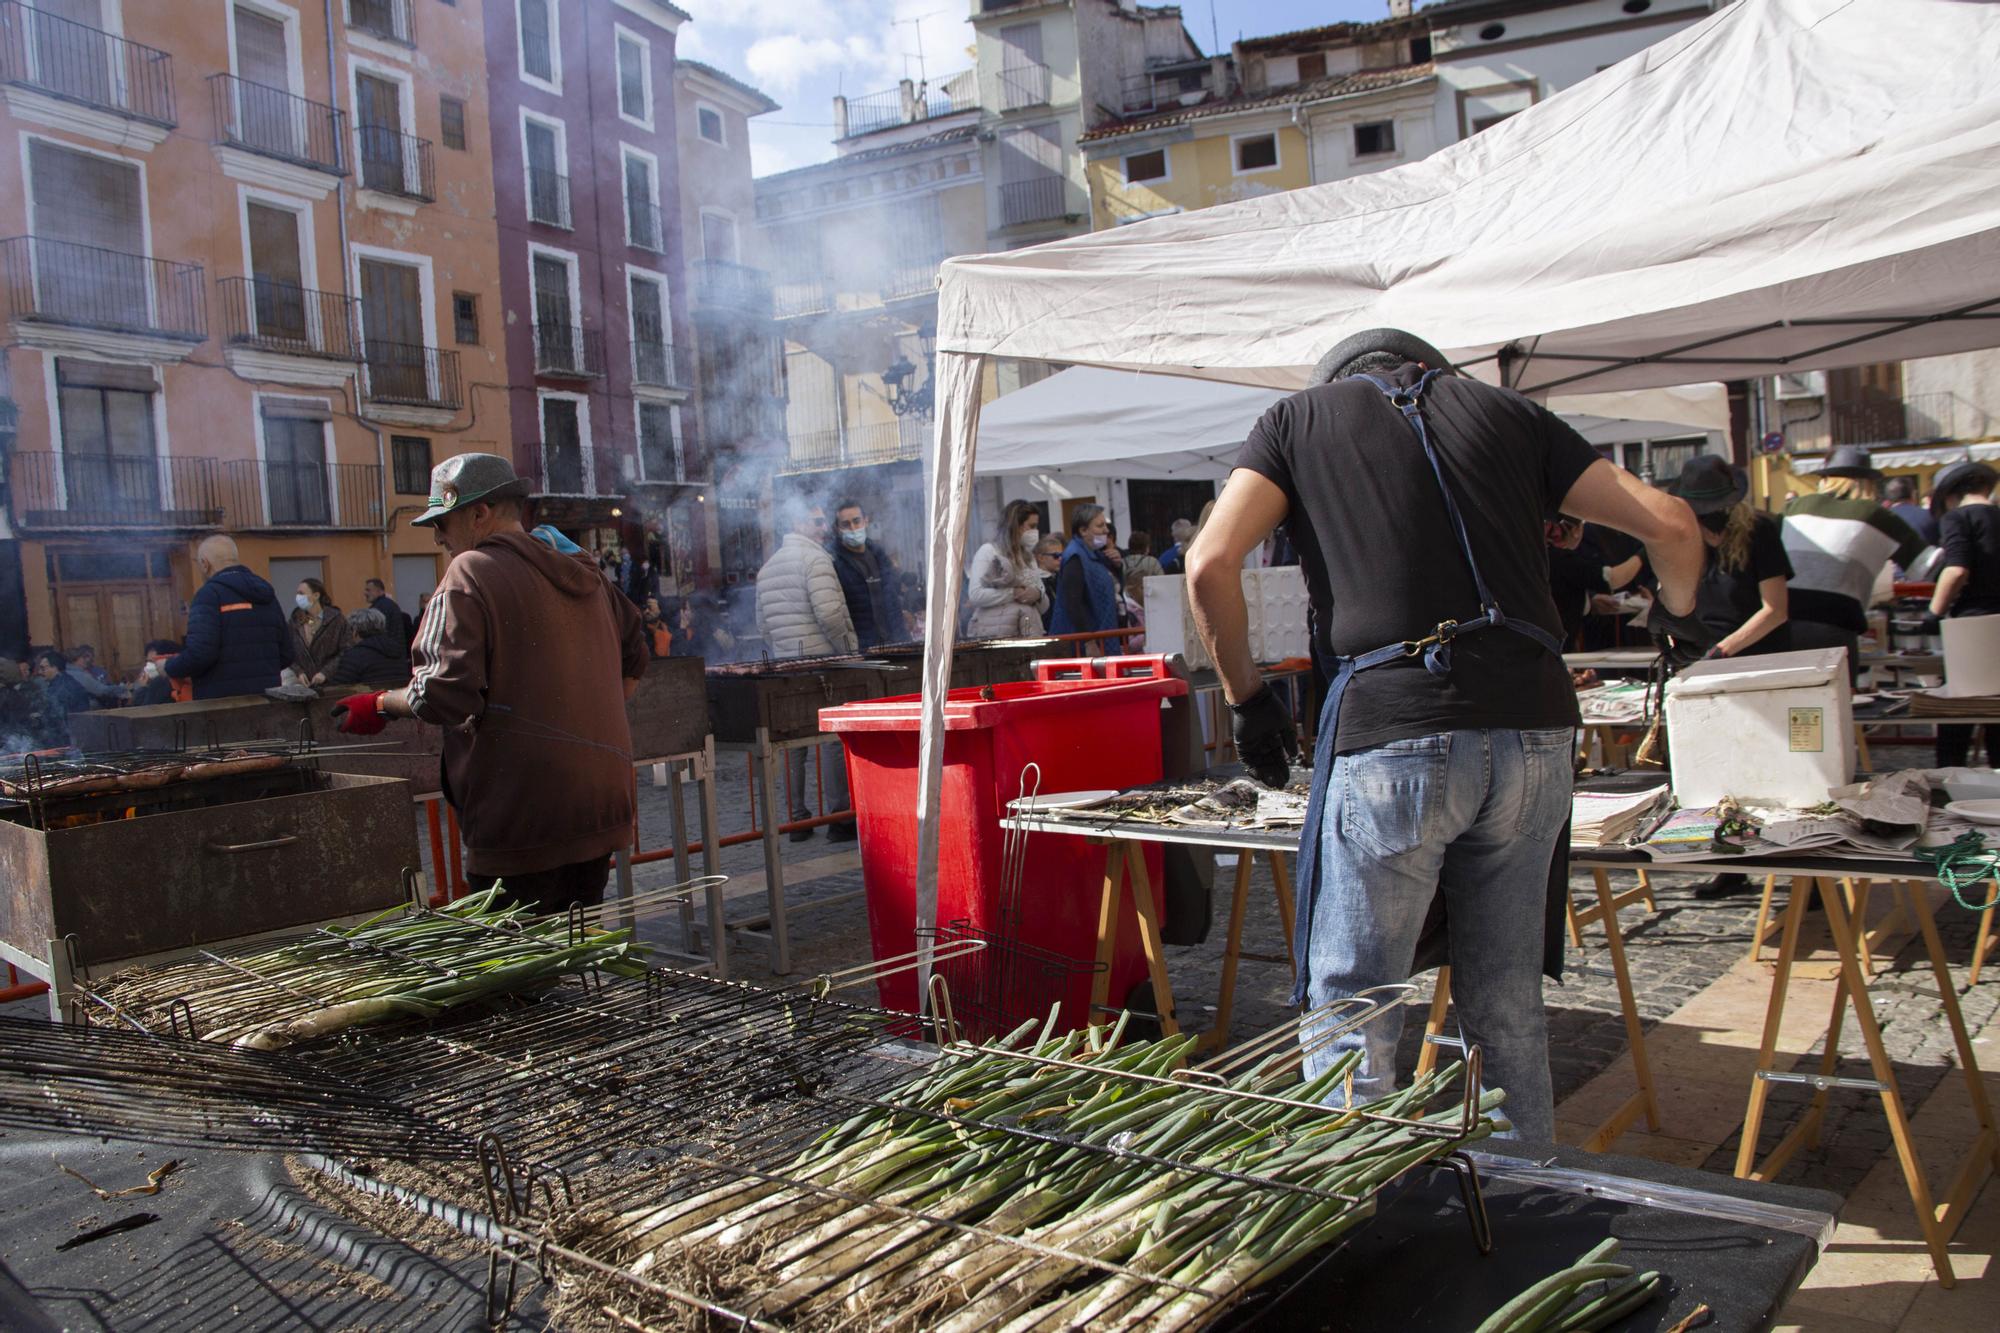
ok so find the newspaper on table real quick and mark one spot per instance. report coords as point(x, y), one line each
point(1885, 816)
point(1606, 819)
point(1613, 704)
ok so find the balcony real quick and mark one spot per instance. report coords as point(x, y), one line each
point(548, 198)
point(645, 225)
point(905, 104)
point(1910, 419)
point(1164, 89)
point(86, 286)
point(396, 163)
point(656, 365)
point(89, 492)
point(410, 375)
point(1024, 85)
point(390, 20)
point(1035, 200)
point(858, 446)
point(912, 277)
point(569, 351)
point(795, 296)
point(282, 317)
point(274, 123)
point(719, 285)
point(562, 471)
point(88, 66)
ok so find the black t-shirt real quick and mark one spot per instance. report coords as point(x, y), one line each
point(1970, 536)
point(1381, 562)
point(1726, 598)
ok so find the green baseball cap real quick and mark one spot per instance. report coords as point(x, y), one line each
point(465, 479)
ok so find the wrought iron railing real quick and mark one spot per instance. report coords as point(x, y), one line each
point(315, 495)
point(562, 470)
point(73, 492)
point(410, 375)
point(793, 296)
point(881, 442)
point(1024, 85)
point(569, 351)
point(875, 111)
point(911, 277)
point(720, 285)
point(645, 224)
point(548, 197)
point(79, 63)
point(274, 316)
point(655, 364)
point(273, 122)
point(393, 162)
point(391, 20)
point(1032, 200)
point(61, 282)
point(1156, 89)
point(1911, 418)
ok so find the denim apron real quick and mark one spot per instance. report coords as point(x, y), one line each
point(1434, 648)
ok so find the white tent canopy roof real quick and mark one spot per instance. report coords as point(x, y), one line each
point(1086, 421)
point(1789, 183)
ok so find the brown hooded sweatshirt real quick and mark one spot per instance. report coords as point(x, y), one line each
point(521, 658)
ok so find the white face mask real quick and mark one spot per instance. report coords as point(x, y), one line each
point(1030, 538)
point(303, 602)
point(855, 537)
point(1100, 541)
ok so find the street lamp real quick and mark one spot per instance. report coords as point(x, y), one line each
point(905, 398)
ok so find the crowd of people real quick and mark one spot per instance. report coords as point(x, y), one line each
point(1025, 582)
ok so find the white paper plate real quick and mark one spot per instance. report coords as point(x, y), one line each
point(1979, 812)
point(1064, 800)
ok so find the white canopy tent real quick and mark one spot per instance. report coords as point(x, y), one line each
point(1789, 184)
point(1090, 422)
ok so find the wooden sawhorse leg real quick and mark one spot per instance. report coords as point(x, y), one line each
point(1232, 952)
point(1938, 1223)
point(1125, 867)
point(1643, 1101)
point(1427, 1050)
point(1982, 943)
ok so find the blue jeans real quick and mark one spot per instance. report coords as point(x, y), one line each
point(1476, 814)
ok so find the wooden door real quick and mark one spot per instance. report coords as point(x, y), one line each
point(264, 107)
point(378, 107)
point(392, 323)
point(1866, 403)
point(117, 619)
point(277, 273)
point(96, 273)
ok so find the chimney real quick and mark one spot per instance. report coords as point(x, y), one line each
point(839, 117)
point(1399, 9)
point(907, 92)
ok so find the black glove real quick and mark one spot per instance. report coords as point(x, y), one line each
point(1266, 740)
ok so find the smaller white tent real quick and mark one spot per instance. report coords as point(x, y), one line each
point(1091, 422)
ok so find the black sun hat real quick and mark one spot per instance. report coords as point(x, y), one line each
point(1959, 478)
point(1710, 484)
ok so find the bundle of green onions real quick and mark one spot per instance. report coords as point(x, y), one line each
point(996, 1191)
point(402, 963)
point(1595, 1292)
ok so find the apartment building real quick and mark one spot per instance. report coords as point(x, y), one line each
point(739, 357)
point(854, 246)
point(237, 242)
point(597, 334)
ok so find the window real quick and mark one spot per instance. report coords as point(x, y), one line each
point(451, 121)
point(295, 472)
point(564, 470)
point(1420, 49)
point(465, 319)
point(652, 347)
point(541, 49)
point(718, 237)
point(410, 464)
point(635, 79)
point(1312, 67)
point(1376, 136)
point(107, 436)
point(643, 224)
point(277, 277)
point(1146, 166)
point(660, 441)
point(555, 312)
point(1024, 79)
point(544, 152)
point(708, 123)
point(387, 162)
point(1256, 152)
point(85, 204)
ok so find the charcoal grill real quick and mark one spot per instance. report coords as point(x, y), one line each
point(148, 867)
point(979, 661)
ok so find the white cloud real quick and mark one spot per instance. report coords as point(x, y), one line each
point(783, 62)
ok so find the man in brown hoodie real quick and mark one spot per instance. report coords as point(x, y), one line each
point(525, 657)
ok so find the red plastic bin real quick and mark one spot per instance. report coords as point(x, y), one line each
point(1086, 734)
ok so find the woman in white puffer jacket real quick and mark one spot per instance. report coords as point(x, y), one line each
point(1005, 588)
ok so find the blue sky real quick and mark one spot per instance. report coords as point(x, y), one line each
point(803, 52)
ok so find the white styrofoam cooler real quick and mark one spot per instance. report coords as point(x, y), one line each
point(1770, 730)
point(1275, 599)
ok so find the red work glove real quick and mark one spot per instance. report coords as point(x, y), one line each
point(361, 714)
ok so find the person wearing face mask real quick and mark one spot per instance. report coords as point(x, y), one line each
point(238, 640)
point(1005, 588)
point(1048, 559)
point(869, 579)
point(320, 632)
point(1086, 584)
point(525, 658)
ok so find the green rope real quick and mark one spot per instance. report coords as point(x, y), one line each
point(1962, 864)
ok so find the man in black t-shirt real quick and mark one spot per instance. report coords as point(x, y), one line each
point(1438, 772)
point(1969, 580)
